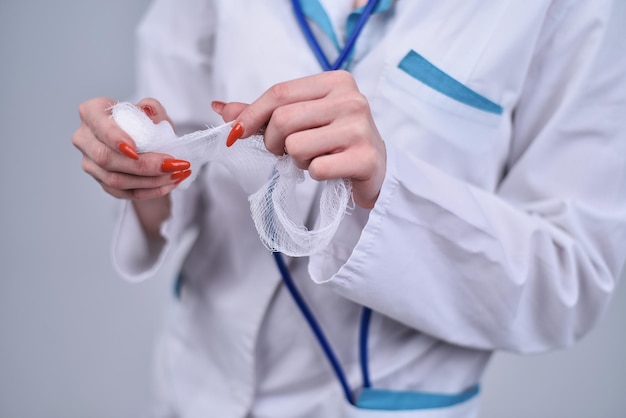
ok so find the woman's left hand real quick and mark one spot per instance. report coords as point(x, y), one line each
point(324, 123)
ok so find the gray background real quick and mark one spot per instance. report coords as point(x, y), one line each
point(75, 339)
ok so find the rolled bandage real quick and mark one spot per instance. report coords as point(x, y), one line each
point(273, 205)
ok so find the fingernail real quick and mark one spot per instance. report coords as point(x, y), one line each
point(171, 165)
point(235, 133)
point(218, 106)
point(180, 175)
point(148, 110)
point(128, 151)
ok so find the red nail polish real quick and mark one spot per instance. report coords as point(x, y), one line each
point(180, 175)
point(235, 133)
point(171, 165)
point(148, 110)
point(128, 151)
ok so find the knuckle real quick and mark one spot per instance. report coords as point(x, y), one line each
point(102, 156)
point(84, 107)
point(119, 194)
point(291, 145)
point(76, 138)
point(302, 164)
point(295, 148)
point(149, 193)
point(109, 132)
point(114, 180)
point(281, 117)
point(139, 194)
point(141, 167)
point(165, 189)
point(280, 91)
point(274, 147)
point(342, 77)
point(356, 102)
point(145, 166)
point(317, 171)
point(86, 166)
point(248, 116)
point(156, 182)
point(361, 130)
point(82, 110)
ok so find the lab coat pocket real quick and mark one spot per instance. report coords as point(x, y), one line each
point(433, 105)
point(429, 75)
point(465, 409)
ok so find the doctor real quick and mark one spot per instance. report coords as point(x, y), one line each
point(485, 142)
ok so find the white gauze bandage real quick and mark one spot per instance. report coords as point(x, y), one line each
point(273, 207)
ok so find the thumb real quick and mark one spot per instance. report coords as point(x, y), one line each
point(154, 110)
point(228, 111)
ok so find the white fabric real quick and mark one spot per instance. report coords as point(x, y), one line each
point(274, 206)
point(491, 232)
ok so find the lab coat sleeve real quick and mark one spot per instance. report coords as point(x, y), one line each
point(532, 265)
point(174, 47)
point(137, 257)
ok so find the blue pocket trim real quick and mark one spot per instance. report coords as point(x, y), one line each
point(421, 69)
point(387, 400)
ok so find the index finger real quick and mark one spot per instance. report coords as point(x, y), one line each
point(96, 114)
point(259, 112)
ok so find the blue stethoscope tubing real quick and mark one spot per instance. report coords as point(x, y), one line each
point(349, 46)
point(280, 262)
point(314, 325)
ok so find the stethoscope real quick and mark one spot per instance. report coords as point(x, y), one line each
point(280, 262)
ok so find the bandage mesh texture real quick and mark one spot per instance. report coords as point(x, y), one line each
point(273, 205)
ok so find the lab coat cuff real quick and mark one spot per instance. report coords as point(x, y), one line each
point(136, 257)
point(355, 239)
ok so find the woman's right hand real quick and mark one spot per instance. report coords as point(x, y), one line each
point(109, 156)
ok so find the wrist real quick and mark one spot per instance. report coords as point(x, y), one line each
point(152, 213)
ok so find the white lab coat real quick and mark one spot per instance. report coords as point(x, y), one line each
point(493, 230)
